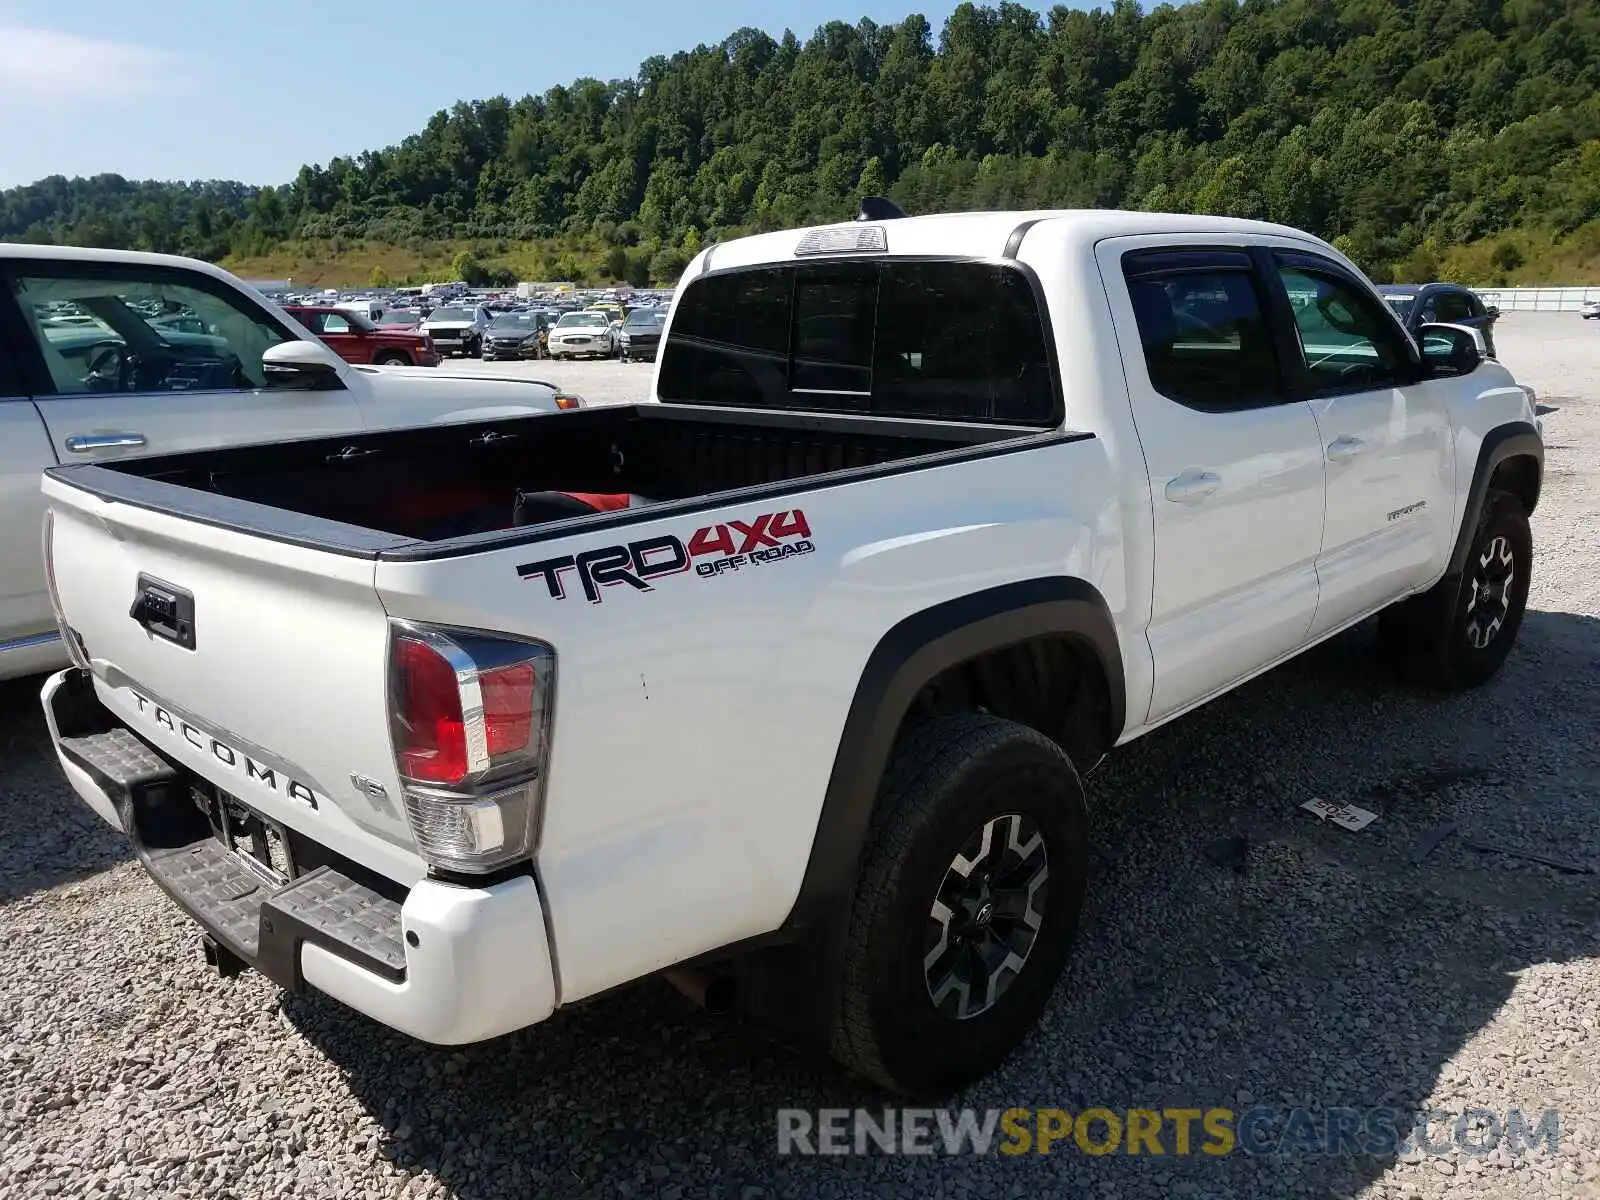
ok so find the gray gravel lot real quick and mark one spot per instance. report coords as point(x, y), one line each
point(598, 381)
point(1330, 971)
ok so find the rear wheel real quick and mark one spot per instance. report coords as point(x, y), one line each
point(1458, 634)
point(968, 899)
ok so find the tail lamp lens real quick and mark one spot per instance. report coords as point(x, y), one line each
point(508, 695)
point(430, 733)
point(470, 720)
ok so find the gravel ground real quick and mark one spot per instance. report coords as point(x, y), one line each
point(1329, 970)
point(598, 381)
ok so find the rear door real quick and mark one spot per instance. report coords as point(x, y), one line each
point(1385, 437)
point(1233, 459)
point(111, 355)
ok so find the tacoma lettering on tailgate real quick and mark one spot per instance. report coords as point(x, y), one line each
point(271, 778)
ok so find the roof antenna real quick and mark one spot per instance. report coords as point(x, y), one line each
point(879, 208)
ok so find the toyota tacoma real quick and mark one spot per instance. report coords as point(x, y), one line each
point(785, 682)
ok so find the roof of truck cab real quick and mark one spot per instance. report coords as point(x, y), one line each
point(987, 234)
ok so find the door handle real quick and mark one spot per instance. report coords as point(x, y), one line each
point(1191, 487)
point(84, 442)
point(1344, 448)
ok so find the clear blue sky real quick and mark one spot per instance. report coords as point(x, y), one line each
point(250, 89)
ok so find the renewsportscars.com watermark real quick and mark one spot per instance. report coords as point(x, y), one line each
point(1263, 1131)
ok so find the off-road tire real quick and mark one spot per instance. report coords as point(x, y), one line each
point(1433, 640)
point(949, 777)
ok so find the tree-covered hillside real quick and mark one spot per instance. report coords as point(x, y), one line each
point(1400, 128)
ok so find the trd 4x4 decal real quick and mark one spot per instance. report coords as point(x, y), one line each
point(712, 551)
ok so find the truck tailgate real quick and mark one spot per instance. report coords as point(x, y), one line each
point(281, 698)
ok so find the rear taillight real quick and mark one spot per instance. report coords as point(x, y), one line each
point(430, 734)
point(470, 718)
point(69, 635)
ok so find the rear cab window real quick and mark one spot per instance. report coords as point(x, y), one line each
point(923, 339)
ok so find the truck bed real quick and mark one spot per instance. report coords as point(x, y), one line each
point(431, 491)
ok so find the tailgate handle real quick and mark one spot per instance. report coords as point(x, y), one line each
point(164, 611)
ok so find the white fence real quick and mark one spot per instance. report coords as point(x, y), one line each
point(1538, 299)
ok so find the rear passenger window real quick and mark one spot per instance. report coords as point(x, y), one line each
point(958, 341)
point(1206, 343)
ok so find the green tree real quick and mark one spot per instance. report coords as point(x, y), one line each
point(466, 267)
point(1392, 124)
point(872, 181)
point(379, 277)
point(668, 265)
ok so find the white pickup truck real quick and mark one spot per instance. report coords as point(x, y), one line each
point(782, 683)
point(106, 354)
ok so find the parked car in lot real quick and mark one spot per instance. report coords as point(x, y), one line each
point(583, 335)
point(640, 334)
point(1589, 310)
point(924, 518)
point(110, 354)
point(516, 335)
point(357, 339)
point(458, 328)
point(1441, 303)
point(400, 318)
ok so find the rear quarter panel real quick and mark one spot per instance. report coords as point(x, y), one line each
point(697, 722)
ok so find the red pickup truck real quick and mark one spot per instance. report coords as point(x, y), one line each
point(356, 339)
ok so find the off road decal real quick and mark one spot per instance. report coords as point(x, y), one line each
point(714, 550)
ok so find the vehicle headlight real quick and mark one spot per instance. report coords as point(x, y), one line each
point(625, 336)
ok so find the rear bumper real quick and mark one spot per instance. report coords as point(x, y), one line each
point(444, 963)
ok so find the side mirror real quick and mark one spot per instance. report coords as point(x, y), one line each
point(1451, 349)
point(308, 366)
